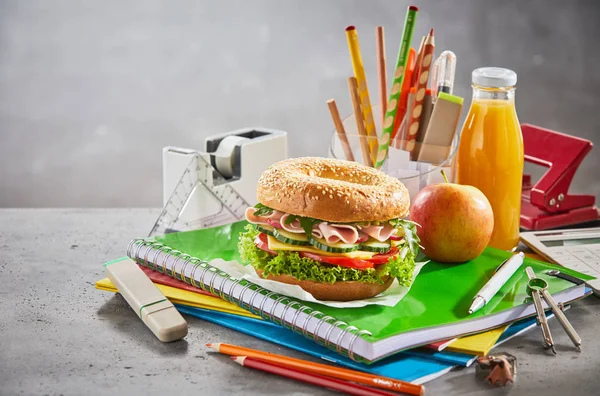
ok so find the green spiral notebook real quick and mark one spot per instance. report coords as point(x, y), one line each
point(434, 309)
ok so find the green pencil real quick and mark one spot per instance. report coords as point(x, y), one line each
point(392, 106)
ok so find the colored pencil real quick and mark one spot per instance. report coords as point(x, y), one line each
point(360, 122)
point(314, 379)
point(406, 85)
point(418, 61)
point(392, 105)
point(363, 90)
point(415, 115)
point(381, 71)
point(339, 127)
point(321, 369)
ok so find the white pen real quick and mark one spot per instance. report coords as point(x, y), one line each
point(496, 282)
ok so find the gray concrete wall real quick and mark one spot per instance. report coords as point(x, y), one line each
point(90, 91)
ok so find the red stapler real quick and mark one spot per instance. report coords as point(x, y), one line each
point(548, 204)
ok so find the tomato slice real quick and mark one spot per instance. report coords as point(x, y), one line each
point(338, 260)
point(383, 257)
point(262, 243)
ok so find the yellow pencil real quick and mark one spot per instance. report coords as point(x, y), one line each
point(360, 122)
point(363, 91)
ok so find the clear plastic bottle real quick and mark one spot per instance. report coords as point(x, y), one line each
point(490, 153)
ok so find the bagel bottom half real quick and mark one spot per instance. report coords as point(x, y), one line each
point(337, 291)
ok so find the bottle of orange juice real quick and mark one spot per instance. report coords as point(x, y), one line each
point(490, 152)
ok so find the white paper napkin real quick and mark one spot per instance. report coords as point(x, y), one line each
point(388, 298)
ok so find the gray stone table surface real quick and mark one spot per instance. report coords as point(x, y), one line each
point(62, 336)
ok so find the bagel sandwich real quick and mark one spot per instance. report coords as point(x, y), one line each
point(335, 228)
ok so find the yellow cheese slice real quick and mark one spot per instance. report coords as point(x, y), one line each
point(398, 243)
point(275, 244)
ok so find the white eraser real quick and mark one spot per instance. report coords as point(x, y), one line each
point(155, 310)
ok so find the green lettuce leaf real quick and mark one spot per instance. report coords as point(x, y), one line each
point(290, 263)
point(262, 210)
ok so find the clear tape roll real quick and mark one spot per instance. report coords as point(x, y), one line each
point(224, 154)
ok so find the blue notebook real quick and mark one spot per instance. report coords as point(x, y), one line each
point(412, 366)
point(402, 367)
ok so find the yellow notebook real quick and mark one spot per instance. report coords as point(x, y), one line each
point(477, 344)
point(184, 297)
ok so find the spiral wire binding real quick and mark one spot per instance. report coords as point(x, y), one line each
point(307, 320)
point(284, 313)
point(328, 333)
point(338, 340)
point(324, 319)
point(257, 292)
point(241, 298)
point(136, 245)
point(274, 306)
point(297, 315)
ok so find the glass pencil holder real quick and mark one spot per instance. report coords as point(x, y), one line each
point(416, 168)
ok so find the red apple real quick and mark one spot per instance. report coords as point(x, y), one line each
point(456, 221)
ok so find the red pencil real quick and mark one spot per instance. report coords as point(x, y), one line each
point(315, 379)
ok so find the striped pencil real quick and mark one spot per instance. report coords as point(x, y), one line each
point(360, 122)
point(423, 77)
point(363, 90)
point(392, 105)
point(418, 61)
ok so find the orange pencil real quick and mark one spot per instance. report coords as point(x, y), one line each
point(406, 84)
point(417, 108)
point(322, 381)
point(322, 369)
point(418, 61)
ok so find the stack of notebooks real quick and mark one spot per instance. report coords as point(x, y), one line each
point(424, 336)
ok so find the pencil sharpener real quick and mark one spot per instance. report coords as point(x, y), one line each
point(499, 369)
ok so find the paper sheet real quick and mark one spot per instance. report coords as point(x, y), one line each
point(388, 298)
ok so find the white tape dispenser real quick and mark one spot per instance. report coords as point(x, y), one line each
point(213, 187)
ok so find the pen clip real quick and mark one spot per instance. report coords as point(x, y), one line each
point(500, 266)
point(506, 261)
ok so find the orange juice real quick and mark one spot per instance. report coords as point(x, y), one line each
point(490, 153)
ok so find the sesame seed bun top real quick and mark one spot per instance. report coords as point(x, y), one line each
point(332, 190)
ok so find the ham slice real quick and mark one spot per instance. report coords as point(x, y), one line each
point(379, 232)
point(334, 233)
point(273, 216)
point(294, 226)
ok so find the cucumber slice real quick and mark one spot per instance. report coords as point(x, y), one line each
point(290, 237)
point(267, 229)
point(333, 248)
point(373, 245)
